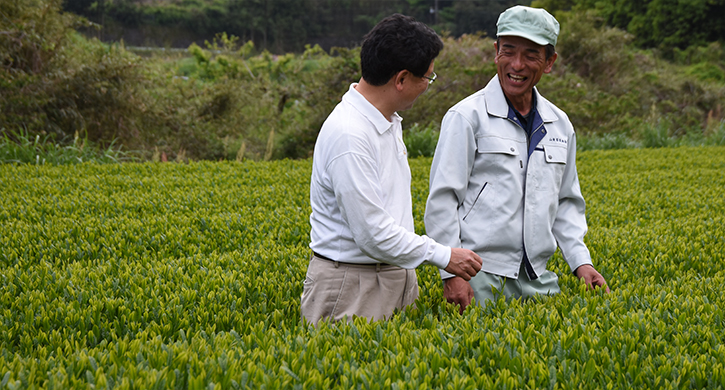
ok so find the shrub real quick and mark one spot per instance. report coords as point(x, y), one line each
point(20, 149)
point(464, 66)
point(226, 101)
point(605, 141)
point(58, 84)
point(421, 141)
point(32, 33)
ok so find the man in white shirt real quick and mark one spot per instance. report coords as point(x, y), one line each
point(365, 250)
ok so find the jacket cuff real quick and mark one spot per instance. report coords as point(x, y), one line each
point(579, 259)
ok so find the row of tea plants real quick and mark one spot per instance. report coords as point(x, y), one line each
point(139, 276)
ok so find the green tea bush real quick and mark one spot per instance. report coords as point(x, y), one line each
point(189, 276)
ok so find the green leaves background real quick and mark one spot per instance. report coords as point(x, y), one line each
point(189, 276)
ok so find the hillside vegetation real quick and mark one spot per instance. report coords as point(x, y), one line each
point(279, 26)
point(226, 100)
point(286, 25)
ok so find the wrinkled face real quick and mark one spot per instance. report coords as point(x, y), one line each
point(520, 63)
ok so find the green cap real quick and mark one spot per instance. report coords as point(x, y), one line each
point(534, 24)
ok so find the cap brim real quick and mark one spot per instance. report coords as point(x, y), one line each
point(533, 38)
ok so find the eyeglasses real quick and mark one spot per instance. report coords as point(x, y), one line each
point(433, 76)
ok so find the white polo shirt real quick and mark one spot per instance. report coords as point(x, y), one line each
point(360, 191)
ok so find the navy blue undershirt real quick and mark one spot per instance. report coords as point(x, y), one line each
point(527, 125)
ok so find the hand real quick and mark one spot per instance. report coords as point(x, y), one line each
point(464, 263)
point(458, 292)
point(591, 277)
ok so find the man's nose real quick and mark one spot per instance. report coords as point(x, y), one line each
point(517, 61)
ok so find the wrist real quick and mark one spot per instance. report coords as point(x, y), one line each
point(581, 267)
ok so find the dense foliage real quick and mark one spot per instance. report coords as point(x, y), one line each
point(189, 276)
point(226, 99)
point(23, 150)
point(279, 26)
point(57, 84)
point(663, 24)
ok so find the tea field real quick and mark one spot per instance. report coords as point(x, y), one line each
point(188, 276)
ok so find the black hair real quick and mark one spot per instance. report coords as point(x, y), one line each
point(398, 43)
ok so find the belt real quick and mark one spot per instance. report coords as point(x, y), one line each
point(319, 256)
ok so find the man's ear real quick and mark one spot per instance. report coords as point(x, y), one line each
point(550, 63)
point(400, 78)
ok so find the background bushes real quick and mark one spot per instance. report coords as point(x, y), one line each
point(279, 26)
point(226, 99)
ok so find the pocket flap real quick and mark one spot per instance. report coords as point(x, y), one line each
point(497, 145)
point(555, 154)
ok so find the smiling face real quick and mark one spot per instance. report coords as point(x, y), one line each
point(520, 63)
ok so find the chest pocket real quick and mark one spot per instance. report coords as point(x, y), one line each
point(553, 171)
point(497, 158)
point(495, 145)
point(555, 154)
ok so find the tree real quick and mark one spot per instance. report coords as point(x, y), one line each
point(55, 83)
point(468, 17)
point(662, 24)
point(31, 33)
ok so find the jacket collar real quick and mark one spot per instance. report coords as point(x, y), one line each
point(496, 102)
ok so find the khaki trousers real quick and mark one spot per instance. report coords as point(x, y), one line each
point(483, 285)
point(334, 290)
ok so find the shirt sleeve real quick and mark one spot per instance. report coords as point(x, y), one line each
point(377, 234)
point(452, 162)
